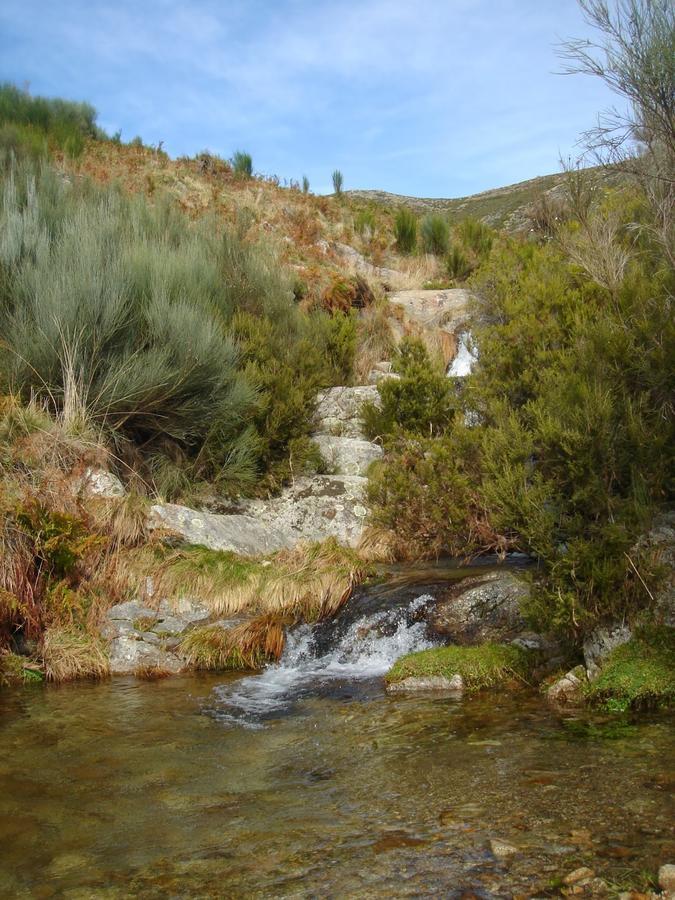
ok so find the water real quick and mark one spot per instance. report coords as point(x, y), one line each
point(364, 649)
point(465, 359)
point(309, 781)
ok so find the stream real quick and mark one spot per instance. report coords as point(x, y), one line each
point(308, 780)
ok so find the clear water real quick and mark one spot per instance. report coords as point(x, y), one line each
point(309, 781)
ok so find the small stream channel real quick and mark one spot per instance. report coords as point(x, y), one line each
point(307, 780)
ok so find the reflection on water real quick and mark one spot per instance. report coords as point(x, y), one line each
point(128, 789)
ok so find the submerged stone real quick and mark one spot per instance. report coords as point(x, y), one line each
point(415, 684)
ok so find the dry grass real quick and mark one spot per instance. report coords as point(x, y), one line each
point(311, 581)
point(379, 545)
point(375, 339)
point(415, 271)
point(70, 654)
point(248, 645)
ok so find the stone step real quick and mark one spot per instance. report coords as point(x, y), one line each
point(347, 455)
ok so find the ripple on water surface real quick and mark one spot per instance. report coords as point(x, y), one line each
point(129, 789)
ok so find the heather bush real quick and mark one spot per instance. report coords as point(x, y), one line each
point(242, 164)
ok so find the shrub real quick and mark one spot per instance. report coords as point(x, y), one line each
point(347, 292)
point(242, 164)
point(435, 233)
point(457, 264)
point(420, 401)
point(365, 224)
point(476, 236)
point(337, 182)
point(405, 230)
point(305, 184)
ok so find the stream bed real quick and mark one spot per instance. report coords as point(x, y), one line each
point(308, 780)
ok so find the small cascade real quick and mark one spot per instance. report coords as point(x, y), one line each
point(319, 660)
point(465, 359)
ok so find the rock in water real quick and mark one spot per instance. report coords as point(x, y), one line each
point(482, 608)
point(569, 688)
point(414, 684)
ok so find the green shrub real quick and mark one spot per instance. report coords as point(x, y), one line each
point(405, 230)
point(338, 181)
point(420, 401)
point(457, 264)
point(365, 224)
point(435, 233)
point(305, 184)
point(242, 164)
point(476, 236)
point(483, 666)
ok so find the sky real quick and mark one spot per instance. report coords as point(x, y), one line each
point(432, 98)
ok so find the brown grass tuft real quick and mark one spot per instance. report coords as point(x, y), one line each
point(70, 654)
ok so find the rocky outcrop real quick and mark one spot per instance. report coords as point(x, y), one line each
point(600, 643)
point(346, 455)
point(481, 608)
point(338, 410)
point(142, 638)
point(311, 509)
point(363, 266)
point(315, 508)
point(237, 533)
point(446, 310)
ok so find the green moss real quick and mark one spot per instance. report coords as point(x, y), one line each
point(638, 674)
point(480, 667)
point(15, 669)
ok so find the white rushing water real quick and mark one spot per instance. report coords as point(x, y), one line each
point(465, 359)
point(367, 649)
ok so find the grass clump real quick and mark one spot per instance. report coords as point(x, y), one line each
point(71, 654)
point(338, 182)
point(249, 645)
point(435, 233)
point(405, 231)
point(16, 669)
point(242, 164)
point(483, 666)
point(310, 582)
point(640, 673)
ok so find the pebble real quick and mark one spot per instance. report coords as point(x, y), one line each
point(581, 874)
point(502, 849)
point(667, 878)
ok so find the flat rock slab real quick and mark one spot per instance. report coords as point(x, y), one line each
point(419, 684)
point(338, 410)
point(443, 310)
point(347, 456)
point(236, 533)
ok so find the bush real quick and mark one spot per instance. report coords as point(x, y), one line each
point(476, 236)
point(365, 224)
point(435, 233)
point(457, 264)
point(420, 401)
point(337, 182)
point(347, 292)
point(405, 231)
point(305, 184)
point(242, 164)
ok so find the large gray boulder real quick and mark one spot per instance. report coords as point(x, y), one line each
point(346, 455)
point(237, 533)
point(316, 508)
point(481, 608)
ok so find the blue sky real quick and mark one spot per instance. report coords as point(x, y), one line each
point(427, 97)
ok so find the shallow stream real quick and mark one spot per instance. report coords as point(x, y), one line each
point(309, 781)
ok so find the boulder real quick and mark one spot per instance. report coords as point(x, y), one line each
point(569, 689)
point(99, 483)
point(237, 533)
point(667, 878)
point(345, 455)
point(141, 637)
point(418, 684)
point(481, 608)
point(338, 409)
point(600, 643)
point(313, 509)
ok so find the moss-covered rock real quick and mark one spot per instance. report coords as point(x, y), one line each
point(639, 673)
point(479, 667)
